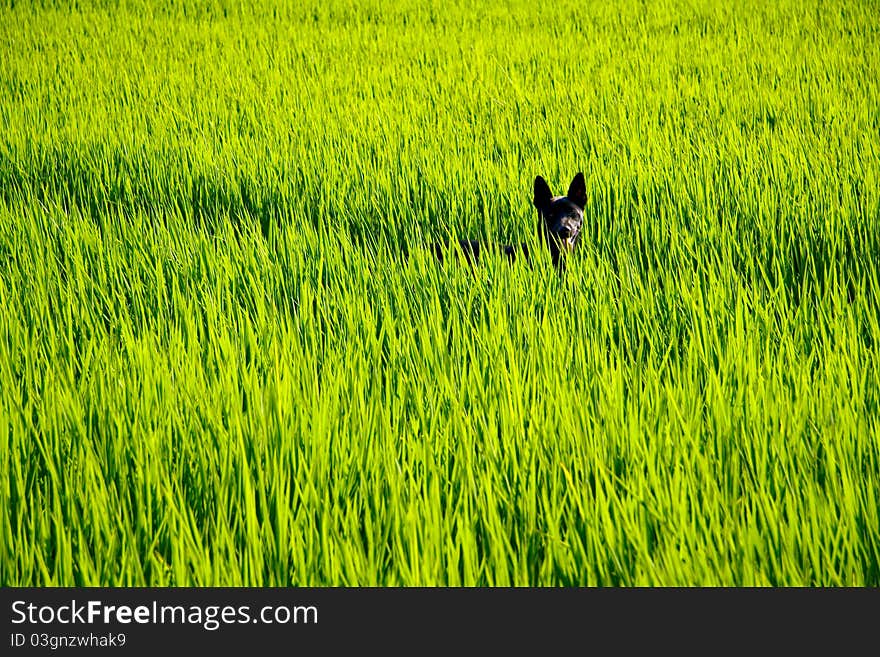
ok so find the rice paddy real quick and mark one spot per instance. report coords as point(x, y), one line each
point(227, 359)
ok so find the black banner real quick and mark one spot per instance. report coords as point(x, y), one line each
point(407, 621)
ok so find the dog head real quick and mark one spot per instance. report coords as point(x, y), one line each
point(561, 216)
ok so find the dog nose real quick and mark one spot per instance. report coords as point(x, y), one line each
point(564, 232)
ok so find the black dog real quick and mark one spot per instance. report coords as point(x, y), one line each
point(562, 216)
point(561, 220)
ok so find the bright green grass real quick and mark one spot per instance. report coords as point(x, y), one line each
point(216, 368)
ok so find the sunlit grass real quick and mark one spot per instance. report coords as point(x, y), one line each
point(219, 367)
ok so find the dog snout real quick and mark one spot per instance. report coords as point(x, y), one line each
point(564, 232)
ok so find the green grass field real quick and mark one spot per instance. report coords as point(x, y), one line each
point(216, 368)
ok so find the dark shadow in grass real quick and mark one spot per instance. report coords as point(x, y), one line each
point(100, 180)
point(779, 252)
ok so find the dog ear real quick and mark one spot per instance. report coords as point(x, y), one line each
point(577, 191)
point(543, 195)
